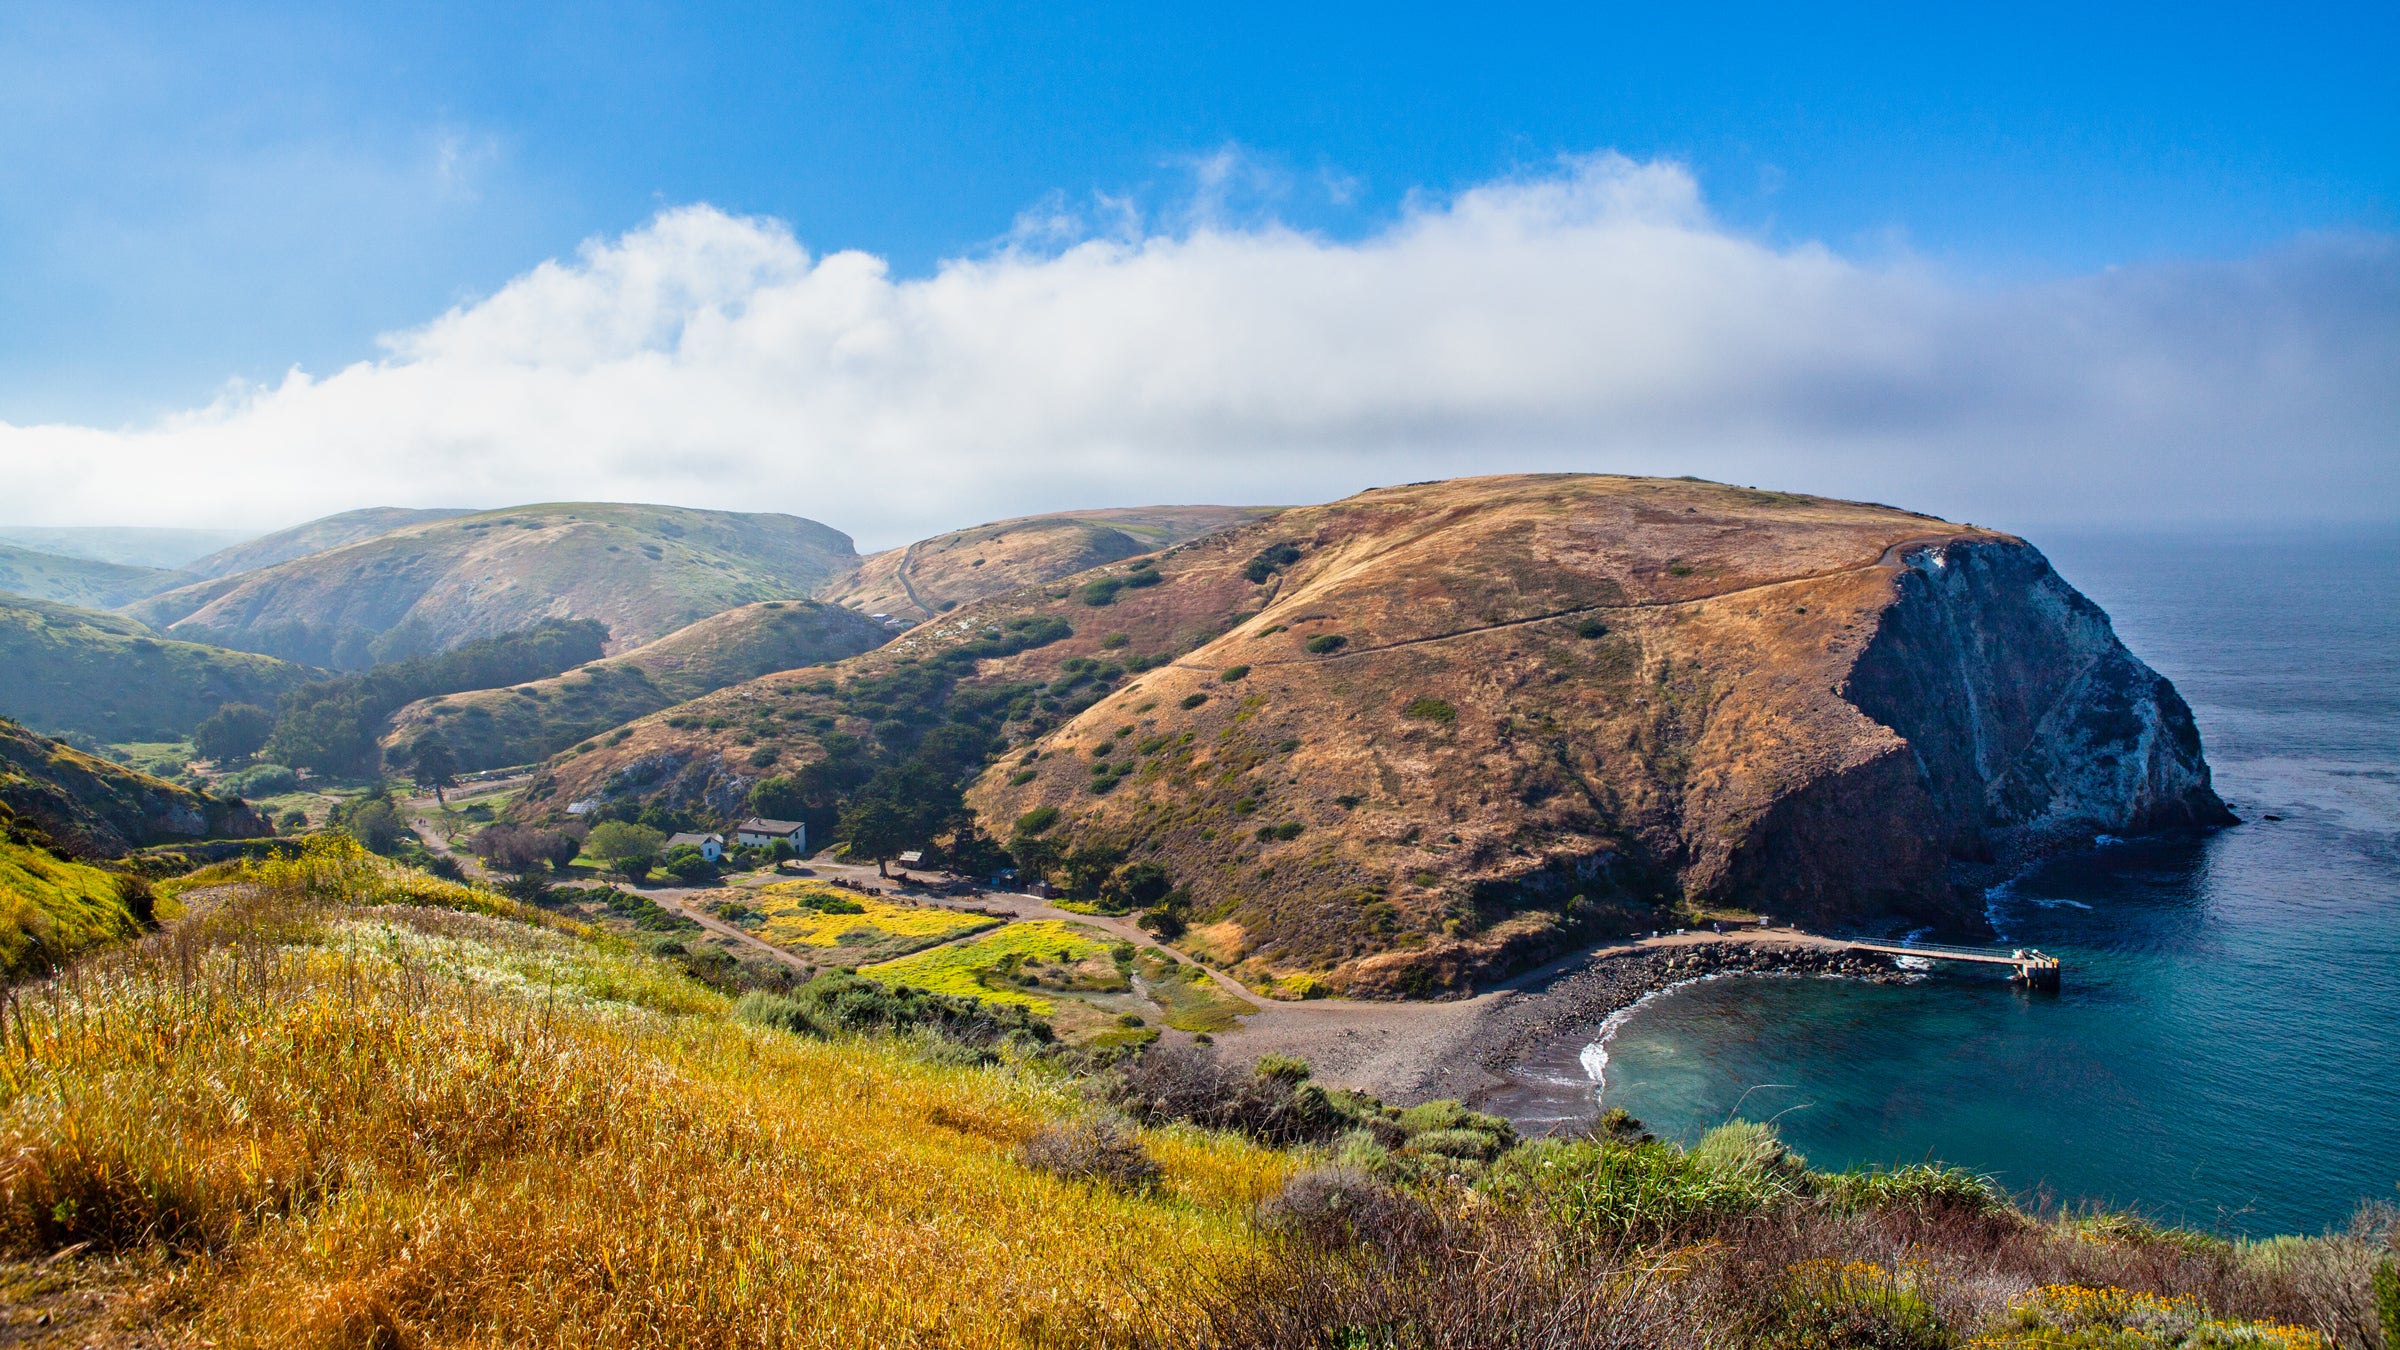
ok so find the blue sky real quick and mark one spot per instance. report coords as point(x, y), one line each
point(911, 267)
point(195, 192)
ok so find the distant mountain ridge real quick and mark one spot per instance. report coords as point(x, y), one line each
point(129, 545)
point(80, 581)
point(642, 570)
point(315, 536)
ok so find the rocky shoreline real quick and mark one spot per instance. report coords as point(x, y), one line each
point(1522, 1058)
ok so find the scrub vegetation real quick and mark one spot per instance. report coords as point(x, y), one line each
point(348, 1104)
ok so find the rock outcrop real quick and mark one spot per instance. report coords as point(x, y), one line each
point(95, 809)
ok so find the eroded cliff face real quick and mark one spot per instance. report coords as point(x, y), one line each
point(2020, 726)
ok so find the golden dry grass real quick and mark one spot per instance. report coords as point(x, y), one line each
point(397, 1123)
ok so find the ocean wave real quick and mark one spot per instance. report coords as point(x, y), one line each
point(1594, 1056)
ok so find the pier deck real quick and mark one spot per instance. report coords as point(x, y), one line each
point(2037, 969)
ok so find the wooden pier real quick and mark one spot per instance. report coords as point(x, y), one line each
point(2032, 967)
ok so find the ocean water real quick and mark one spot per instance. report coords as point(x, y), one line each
point(2225, 1051)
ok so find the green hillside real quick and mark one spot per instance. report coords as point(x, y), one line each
point(95, 809)
point(69, 669)
point(79, 581)
point(645, 571)
point(519, 725)
point(349, 527)
point(52, 907)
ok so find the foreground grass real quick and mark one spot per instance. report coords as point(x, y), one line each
point(344, 1104)
point(367, 1124)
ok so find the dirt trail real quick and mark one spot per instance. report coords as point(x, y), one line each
point(1890, 557)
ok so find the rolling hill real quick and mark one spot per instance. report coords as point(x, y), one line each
point(315, 536)
point(79, 581)
point(645, 571)
point(69, 669)
point(936, 575)
point(529, 722)
point(1387, 743)
point(95, 809)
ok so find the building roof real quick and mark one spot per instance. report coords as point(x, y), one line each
point(762, 825)
point(688, 838)
point(913, 857)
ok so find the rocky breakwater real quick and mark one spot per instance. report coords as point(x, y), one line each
point(1525, 1058)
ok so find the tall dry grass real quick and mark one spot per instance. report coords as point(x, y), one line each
point(362, 1124)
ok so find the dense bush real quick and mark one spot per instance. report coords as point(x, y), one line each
point(1269, 561)
point(1430, 710)
point(1325, 644)
point(1103, 1150)
point(233, 732)
point(523, 850)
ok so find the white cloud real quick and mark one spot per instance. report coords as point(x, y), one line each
point(1593, 318)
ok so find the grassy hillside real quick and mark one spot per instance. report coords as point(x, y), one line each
point(468, 1123)
point(96, 809)
point(645, 571)
point(79, 581)
point(531, 722)
point(69, 669)
point(348, 527)
point(936, 575)
point(131, 545)
point(52, 908)
point(1393, 737)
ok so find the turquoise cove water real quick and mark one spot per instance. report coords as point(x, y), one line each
point(2226, 1049)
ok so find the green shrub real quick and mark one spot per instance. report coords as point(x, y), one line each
point(1430, 710)
point(1143, 575)
point(1232, 673)
point(1114, 641)
point(1269, 561)
point(1191, 701)
point(1037, 820)
point(2387, 1300)
point(1324, 644)
point(1100, 591)
point(1918, 1186)
point(1850, 1305)
point(1590, 629)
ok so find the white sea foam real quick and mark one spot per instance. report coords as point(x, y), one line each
point(1595, 1055)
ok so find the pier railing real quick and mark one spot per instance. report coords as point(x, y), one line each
point(2035, 967)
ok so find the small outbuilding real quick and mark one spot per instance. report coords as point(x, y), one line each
point(759, 832)
point(711, 846)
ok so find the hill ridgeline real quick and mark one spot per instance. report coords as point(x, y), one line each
point(644, 571)
point(1411, 739)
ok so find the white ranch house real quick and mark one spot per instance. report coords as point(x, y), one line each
point(759, 832)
